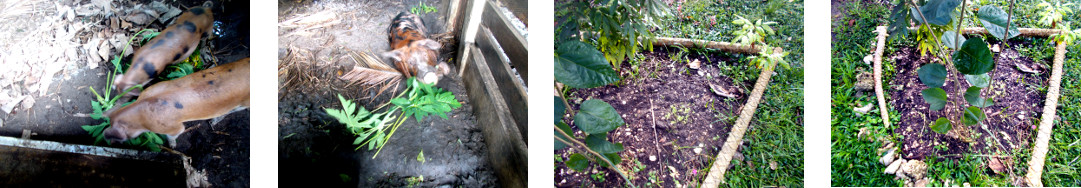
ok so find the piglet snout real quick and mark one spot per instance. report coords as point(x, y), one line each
point(114, 135)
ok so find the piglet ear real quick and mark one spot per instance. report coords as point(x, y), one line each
point(393, 54)
point(430, 44)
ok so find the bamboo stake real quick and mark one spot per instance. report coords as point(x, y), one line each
point(881, 30)
point(735, 137)
point(1028, 32)
point(697, 43)
point(1047, 121)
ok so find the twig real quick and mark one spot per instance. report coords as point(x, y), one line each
point(654, 120)
point(583, 146)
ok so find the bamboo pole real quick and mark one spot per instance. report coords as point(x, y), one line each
point(1028, 32)
point(1047, 121)
point(735, 137)
point(881, 30)
point(697, 43)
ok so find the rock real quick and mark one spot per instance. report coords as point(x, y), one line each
point(865, 81)
point(915, 169)
point(869, 59)
point(863, 110)
point(864, 132)
point(995, 48)
point(772, 165)
point(652, 158)
point(894, 166)
point(923, 182)
point(697, 150)
point(695, 64)
point(966, 185)
point(888, 158)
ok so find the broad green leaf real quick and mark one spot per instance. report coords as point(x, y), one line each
point(972, 95)
point(600, 144)
point(973, 58)
point(942, 125)
point(560, 108)
point(979, 80)
point(949, 39)
point(580, 65)
point(994, 20)
point(597, 117)
point(935, 96)
point(932, 75)
point(577, 162)
point(973, 115)
point(939, 12)
point(566, 129)
point(613, 157)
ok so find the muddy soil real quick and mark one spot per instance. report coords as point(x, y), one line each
point(314, 147)
point(646, 104)
point(63, 106)
point(1018, 99)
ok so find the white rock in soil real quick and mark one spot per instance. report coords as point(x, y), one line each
point(894, 166)
point(697, 150)
point(966, 184)
point(695, 64)
point(915, 169)
point(652, 158)
point(868, 59)
point(886, 159)
point(995, 48)
point(864, 109)
point(923, 182)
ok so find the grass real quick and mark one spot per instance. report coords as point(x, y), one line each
point(855, 162)
point(777, 133)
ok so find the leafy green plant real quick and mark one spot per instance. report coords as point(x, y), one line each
point(973, 58)
point(1067, 36)
point(767, 56)
point(422, 8)
point(103, 103)
point(1051, 15)
point(752, 33)
point(618, 27)
point(420, 100)
point(596, 118)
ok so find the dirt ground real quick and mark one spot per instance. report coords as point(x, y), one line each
point(315, 41)
point(56, 50)
point(680, 147)
point(1010, 121)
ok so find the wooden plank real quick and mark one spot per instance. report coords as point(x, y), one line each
point(507, 152)
point(510, 87)
point(520, 9)
point(514, 45)
point(33, 163)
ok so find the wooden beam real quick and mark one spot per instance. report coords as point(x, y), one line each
point(507, 152)
point(510, 88)
point(509, 38)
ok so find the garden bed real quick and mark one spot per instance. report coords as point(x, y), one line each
point(1018, 100)
point(56, 102)
point(691, 122)
point(315, 147)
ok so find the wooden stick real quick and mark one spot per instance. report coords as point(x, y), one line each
point(1029, 32)
point(735, 137)
point(881, 30)
point(696, 43)
point(1047, 121)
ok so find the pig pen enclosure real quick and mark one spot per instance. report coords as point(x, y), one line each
point(53, 52)
point(689, 110)
point(482, 143)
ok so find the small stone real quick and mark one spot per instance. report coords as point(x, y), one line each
point(652, 158)
point(865, 81)
point(966, 184)
point(868, 59)
point(864, 132)
point(863, 110)
point(772, 165)
point(894, 166)
point(915, 169)
point(923, 182)
point(697, 150)
point(886, 159)
point(995, 48)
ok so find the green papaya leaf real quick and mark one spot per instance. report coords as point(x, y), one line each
point(939, 12)
point(979, 80)
point(597, 117)
point(932, 75)
point(973, 58)
point(949, 39)
point(973, 115)
point(577, 162)
point(600, 144)
point(995, 20)
point(942, 125)
point(580, 65)
point(560, 109)
point(936, 97)
point(972, 95)
point(566, 129)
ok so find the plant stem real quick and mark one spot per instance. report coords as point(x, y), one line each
point(957, 38)
point(1008, 20)
point(605, 159)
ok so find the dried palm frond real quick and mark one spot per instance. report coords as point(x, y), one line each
point(370, 73)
